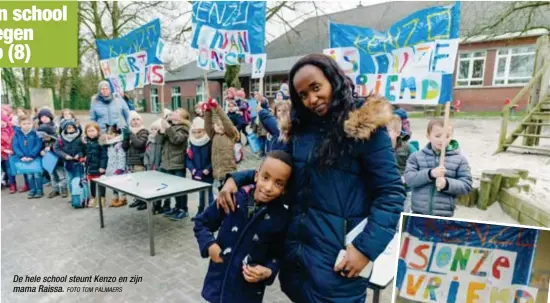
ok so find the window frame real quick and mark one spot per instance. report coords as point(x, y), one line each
point(154, 95)
point(175, 95)
point(508, 57)
point(471, 60)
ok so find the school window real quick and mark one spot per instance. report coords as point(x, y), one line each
point(514, 65)
point(272, 87)
point(154, 100)
point(176, 97)
point(200, 92)
point(471, 68)
point(255, 86)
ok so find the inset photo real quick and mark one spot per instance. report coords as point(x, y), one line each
point(458, 261)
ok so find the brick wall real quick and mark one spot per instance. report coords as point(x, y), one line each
point(188, 90)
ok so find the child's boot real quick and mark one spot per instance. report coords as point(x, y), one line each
point(64, 193)
point(114, 202)
point(25, 188)
point(122, 201)
point(53, 194)
point(39, 193)
point(13, 189)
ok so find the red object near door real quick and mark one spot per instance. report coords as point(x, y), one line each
point(457, 106)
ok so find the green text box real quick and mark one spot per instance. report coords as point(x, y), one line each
point(54, 43)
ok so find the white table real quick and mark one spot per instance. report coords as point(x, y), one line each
point(150, 186)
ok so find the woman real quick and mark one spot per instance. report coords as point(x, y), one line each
point(105, 110)
point(344, 171)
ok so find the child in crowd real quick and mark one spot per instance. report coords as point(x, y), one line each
point(173, 135)
point(260, 130)
point(19, 113)
point(48, 133)
point(235, 115)
point(96, 162)
point(275, 138)
point(199, 159)
point(434, 186)
point(71, 149)
point(67, 114)
point(153, 148)
point(27, 146)
point(402, 152)
point(116, 159)
point(223, 135)
point(243, 105)
point(239, 270)
point(134, 143)
point(45, 116)
point(6, 150)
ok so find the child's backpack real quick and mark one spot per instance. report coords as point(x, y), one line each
point(80, 195)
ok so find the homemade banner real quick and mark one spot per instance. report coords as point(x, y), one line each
point(412, 63)
point(456, 262)
point(228, 32)
point(133, 61)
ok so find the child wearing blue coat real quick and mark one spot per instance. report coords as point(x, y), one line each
point(27, 146)
point(245, 256)
point(199, 159)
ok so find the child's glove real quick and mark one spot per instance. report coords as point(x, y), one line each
point(212, 104)
point(204, 107)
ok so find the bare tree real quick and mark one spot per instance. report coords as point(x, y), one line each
point(526, 16)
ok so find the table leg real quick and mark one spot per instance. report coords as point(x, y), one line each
point(376, 296)
point(151, 240)
point(97, 191)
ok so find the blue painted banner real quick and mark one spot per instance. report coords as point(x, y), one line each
point(133, 60)
point(228, 32)
point(455, 262)
point(411, 63)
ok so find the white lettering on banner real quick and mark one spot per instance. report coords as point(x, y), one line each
point(224, 40)
point(221, 13)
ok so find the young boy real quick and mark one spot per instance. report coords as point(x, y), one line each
point(48, 134)
point(224, 135)
point(27, 146)
point(199, 159)
point(173, 135)
point(434, 187)
point(244, 257)
point(402, 152)
point(70, 148)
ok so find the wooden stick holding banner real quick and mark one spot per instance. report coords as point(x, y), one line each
point(445, 128)
point(261, 84)
point(206, 89)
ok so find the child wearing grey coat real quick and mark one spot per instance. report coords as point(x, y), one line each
point(153, 149)
point(426, 199)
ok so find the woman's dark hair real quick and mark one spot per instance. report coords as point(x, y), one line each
point(343, 102)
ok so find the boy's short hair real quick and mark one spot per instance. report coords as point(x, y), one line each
point(24, 118)
point(435, 122)
point(395, 124)
point(279, 155)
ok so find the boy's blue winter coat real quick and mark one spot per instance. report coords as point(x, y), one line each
point(270, 123)
point(28, 145)
point(261, 237)
point(326, 204)
point(199, 158)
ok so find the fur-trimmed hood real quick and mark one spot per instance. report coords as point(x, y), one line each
point(375, 112)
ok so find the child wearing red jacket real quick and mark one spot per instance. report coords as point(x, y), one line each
point(6, 151)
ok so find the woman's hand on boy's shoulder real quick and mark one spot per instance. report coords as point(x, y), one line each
point(226, 197)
